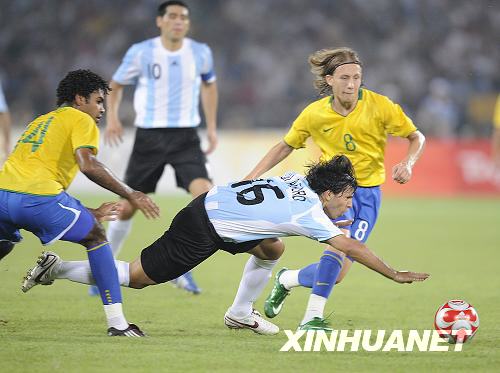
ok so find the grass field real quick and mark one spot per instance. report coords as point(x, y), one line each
point(60, 329)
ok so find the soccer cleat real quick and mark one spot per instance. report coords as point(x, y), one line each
point(42, 273)
point(275, 300)
point(186, 282)
point(93, 291)
point(132, 331)
point(317, 323)
point(255, 322)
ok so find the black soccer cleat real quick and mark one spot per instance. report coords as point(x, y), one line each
point(132, 331)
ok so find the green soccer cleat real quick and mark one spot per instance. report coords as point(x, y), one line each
point(317, 323)
point(275, 300)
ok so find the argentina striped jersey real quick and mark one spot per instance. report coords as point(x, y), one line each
point(167, 92)
point(266, 208)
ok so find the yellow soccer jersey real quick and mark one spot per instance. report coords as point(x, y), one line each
point(361, 135)
point(496, 115)
point(43, 161)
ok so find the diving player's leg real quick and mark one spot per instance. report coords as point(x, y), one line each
point(256, 274)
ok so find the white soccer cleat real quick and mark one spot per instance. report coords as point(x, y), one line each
point(255, 322)
point(42, 273)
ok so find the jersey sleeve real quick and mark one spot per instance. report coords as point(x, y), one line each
point(207, 70)
point(396, 122)
point(299, 132)
point(318, 225)
point(130, 68)
point(85, 134)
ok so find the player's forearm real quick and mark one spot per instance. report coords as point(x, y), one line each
point(415, 148)
point(363, 255)
point(102, 176)
point(209, 102)
point(114, 101)
point(277, 153)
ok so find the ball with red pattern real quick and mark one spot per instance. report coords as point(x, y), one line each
point(454, 318)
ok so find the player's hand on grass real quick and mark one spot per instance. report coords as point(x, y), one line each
point(407, 277)
point(142, 202)
point(113, 134)
point(108, 211)
point(401, 173)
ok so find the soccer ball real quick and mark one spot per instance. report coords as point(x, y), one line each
point(454, 318)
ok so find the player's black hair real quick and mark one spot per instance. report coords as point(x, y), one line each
point(163, 6)
point(79, 82)
point(336, 175)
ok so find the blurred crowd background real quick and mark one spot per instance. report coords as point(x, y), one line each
point(438, 58)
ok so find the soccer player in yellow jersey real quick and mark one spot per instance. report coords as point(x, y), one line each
point(35, 176)
point(353, 121)
point(496, 135)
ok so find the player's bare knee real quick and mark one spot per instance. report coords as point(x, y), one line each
point(272, 248)
point(137, 277)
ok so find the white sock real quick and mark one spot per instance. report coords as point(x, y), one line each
point(123, 272)
point(117, 232)
point(255, 276)
point(79, 271)
point(290, 279)
point(315, 308)
point(115, 317)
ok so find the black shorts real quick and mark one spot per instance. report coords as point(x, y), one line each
point(190, 240)
point(154, 148)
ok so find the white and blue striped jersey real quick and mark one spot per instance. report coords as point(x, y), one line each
point(3, 104)
point(266, 208)
point(167, 93)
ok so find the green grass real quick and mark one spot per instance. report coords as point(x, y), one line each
point(60, 329)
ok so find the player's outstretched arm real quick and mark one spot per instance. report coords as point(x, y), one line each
point(102, 176)
point(365, 256)
point(274, 156)
point(114, 128)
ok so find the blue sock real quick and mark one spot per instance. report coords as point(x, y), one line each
point(306, 275)
point(327, 273)
point(105, 274)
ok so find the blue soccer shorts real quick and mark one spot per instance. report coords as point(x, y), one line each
point(364, 212)
point(50, 218)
